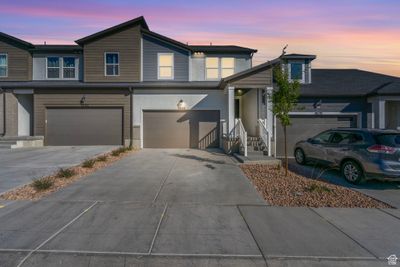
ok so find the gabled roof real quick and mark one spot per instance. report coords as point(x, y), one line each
point(345, 82)
point(222, 49)
point(136, 21)
point(248, 72)
point(165, 39)
point(14, 40)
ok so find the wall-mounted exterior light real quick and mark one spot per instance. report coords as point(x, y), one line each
point(83, 100)
point(181, 105)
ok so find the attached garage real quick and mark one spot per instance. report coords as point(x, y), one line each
point(84, 126)
point(307, 126)
point(181, 129)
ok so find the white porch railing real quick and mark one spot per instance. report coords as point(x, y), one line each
point(265, 134)
point(241, 133)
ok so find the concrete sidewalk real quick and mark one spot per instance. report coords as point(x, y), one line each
point(186, 208)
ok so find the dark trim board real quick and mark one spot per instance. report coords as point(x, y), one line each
point(93, 128)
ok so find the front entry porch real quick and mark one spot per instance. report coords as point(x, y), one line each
point(250, 123)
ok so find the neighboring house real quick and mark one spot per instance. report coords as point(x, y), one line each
point(129, 85)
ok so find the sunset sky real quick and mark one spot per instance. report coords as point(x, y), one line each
point(363, 34)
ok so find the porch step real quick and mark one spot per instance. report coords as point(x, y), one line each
point(256, 158)
point(10, 142)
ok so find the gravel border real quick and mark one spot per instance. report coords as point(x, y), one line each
point(298, 191)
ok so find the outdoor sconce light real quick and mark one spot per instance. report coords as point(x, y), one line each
point(317, 106)
point(83, 100)
point(181, 105)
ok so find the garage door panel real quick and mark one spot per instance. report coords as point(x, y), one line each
point(181, 129)
point(304, 127)
point(84, 126)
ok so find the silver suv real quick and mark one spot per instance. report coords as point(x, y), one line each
point(360, 154)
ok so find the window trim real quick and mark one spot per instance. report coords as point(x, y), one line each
point(172, 67)
point(5, 54)
point(62, 68)
point(303, 70)
point(59, 68)
point(113, 64)
point(222, 68)
point(218, 68)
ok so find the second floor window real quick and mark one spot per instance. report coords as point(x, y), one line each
point(112, 64)
point(212, 68)
point(296, 71)
point(61, 68)
point(53, 68)
point(68, 68)
point(227, 66)
point(165, 66)
point(3, 65)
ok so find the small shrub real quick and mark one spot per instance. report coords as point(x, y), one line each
point(102, 158)
point(318, 188)
point(119, 151)
point(89, 163)
point(65, 173)
point(42, 183)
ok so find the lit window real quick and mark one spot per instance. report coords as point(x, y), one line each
point(68, 68)
point(112, 64)
point(212, 68)
point(3, 65)
point(165, 66)
point(53, 68)
point(296, 71)
point(227, 66)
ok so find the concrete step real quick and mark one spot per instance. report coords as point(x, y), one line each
point(3, 146)
point(5, 142)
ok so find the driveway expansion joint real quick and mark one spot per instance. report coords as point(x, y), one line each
point(56, 233)
point(158, 228)
point(340, 230)
point(252, 235)
point(164, 180)
point(388, 213)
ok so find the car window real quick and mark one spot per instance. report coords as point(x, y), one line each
point(392, 140)
point(323, 137)
point(344, 138)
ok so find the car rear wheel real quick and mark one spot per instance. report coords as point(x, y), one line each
point(352, 172)
point(300, 156)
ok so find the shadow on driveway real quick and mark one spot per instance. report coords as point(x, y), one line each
point(388, 192)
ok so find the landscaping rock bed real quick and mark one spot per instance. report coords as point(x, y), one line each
point(298, 191)
point(45, 185)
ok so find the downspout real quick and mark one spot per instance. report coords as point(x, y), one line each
point(4, 111)
point(131, 118)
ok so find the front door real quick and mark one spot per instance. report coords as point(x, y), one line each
point(237, 108)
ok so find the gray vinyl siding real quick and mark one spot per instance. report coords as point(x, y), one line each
point(260, 79)
point(242, 62)
point(19, 63)
point(71, 98)
point(11, 114)
point(39, 66)
point(337, 104)
point(151, 48)
point(127, 43)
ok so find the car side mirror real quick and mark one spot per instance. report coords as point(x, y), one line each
point(310, 140)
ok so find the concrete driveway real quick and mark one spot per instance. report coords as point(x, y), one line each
point(185, 208)
point(20, 166)
point(388, 192)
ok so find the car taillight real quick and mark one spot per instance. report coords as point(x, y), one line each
point(381, 149)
